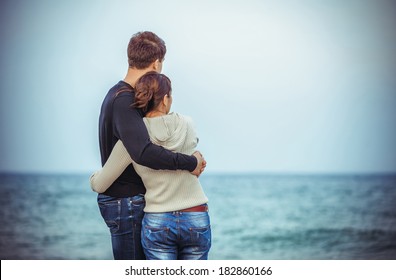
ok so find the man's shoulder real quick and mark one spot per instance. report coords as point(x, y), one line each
point(121, 90)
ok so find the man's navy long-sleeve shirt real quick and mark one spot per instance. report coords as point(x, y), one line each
point(119, 120)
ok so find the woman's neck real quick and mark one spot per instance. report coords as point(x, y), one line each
point(155, 113)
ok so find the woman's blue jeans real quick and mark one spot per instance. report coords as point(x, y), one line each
point(176, 235)
point(124, 217)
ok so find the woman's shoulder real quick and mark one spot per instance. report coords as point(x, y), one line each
point(181, 117)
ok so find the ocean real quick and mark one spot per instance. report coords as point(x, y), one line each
point(253, 216)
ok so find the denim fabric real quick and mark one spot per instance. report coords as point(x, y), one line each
point(124, 217)
point(176, 235)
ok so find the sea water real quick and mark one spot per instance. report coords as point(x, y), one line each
point(253, 216)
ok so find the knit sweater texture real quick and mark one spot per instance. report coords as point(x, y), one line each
point(165, 190)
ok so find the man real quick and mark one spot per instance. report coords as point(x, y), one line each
point(121, 205)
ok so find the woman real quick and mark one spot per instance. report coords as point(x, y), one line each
point(176, 223)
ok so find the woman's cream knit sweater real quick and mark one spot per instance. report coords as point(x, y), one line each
point(165, 190)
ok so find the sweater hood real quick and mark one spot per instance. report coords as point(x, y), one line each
point(168, 131)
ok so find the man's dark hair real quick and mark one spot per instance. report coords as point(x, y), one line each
point(144, 48)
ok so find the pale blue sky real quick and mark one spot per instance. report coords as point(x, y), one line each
point(273, 86)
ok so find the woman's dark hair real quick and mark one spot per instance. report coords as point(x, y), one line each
point(144, 48)
point(150, 90)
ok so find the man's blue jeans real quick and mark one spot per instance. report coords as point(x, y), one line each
point(176, 235)
point(124, 217)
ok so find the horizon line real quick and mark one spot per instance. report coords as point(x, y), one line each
point(221, 173)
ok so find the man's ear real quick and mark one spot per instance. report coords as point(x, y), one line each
point(156, 65)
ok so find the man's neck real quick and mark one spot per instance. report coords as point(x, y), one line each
point(134, 74)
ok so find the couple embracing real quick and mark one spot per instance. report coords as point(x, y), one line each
point(148, 190)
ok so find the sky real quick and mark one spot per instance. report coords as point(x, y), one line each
point(272, 86)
